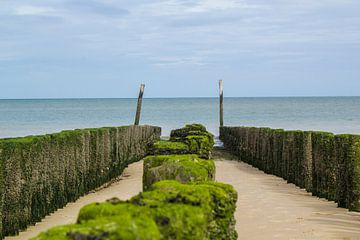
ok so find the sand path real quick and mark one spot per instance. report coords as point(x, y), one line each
point(269, 208)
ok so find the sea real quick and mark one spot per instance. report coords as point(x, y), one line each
point(23, 117)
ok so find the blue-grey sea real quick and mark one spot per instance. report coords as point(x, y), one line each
point(31, 117)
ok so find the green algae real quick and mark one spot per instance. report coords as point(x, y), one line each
point(112, 222)
point(218, 200)
point(201, 144)
point(163, 147)
point(324, 165)
point(183, 168)
point(196, 137)
point(185, 131)
point(201, 210)
point(173, 221)
point(170, 145)
point(40, 174)
point(348, 189)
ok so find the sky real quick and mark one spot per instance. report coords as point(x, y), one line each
point(179, 48)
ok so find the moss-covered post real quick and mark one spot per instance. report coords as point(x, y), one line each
point(138, 110)
point(221, 104)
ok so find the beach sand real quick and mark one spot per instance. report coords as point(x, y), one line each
point(268, 207)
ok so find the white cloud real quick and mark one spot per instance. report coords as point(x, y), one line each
point(178, 60)
point(198, 32)
point(33, 10)
point(216, 5)
point(181, 7)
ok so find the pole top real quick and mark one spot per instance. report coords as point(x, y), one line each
point(142, 87)
point(220, 87)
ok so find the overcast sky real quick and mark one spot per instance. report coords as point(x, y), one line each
point(89, 48)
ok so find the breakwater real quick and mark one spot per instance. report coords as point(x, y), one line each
point(325, 164)
point(40, 174)
point(180, 202)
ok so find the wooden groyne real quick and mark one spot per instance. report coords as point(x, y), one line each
point(325, 164)
point(196, 207)
point(40, 174)
point(267, 208)
point(180, 198)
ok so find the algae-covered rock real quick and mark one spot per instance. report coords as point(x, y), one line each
point(170, 210)
point(163, 147)
point(174, 221)
point(218, 201)
point(201, 210)
point(199, 141)
point(185, 131)
point(200, 144)
point(110, 222)
point(183, 168)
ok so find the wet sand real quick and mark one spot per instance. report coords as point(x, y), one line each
point(128, 185)
point(269, 208)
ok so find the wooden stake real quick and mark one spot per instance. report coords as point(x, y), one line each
point(138, 109)
point(221, 104)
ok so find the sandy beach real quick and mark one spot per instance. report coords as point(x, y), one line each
point(267, 208)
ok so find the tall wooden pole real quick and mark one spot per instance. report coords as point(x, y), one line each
point(221, 103)
point(138, 109)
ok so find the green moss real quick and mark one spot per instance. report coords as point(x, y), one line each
point(183, 168)
point(201, 144)
point(348, 155)
point(196, 137)
point(354, 196)
point(168, 147)
point(121, 221)
point(216, 199)
point(173, 221)
point(324, 165)
point(178, 221)
point(196, 127)
point(201, 210)
point(183, 132)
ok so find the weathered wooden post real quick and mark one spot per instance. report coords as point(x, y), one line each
point(221, 104)
point(138, 109)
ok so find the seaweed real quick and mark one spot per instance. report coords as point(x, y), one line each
point(183, 168)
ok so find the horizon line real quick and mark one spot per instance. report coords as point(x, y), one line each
point(179, 97)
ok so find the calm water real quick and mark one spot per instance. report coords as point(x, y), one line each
point(29, 117)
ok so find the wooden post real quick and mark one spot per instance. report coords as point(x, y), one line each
point(138, 109)
point(221, 104)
